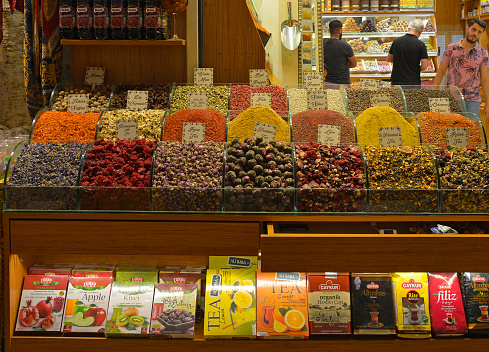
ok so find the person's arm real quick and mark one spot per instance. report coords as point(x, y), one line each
point(424, 64)
point(352, 61)
point(441, 72)
point(390, 57)
point(484, 72)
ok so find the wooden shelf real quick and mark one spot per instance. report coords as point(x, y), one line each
point(378, 34)
point(78, 42)
point(378, 13)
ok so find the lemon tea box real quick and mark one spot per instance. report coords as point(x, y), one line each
point(282, 305)
point(233, 262)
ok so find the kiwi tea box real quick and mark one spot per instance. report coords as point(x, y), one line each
point(87, 301)
point(130, 309)
point(41, 304)
point(136, 275)
point(475, 290)
point(174, 307)
point(329, 303)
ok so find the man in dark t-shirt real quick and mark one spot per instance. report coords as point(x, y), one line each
point(338, 56)
point(406, 53)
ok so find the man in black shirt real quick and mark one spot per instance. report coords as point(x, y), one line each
point(406, 53)
point(338, 56)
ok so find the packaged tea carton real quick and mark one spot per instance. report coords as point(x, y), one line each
point(475, 291)
point(372, 304)
point(51, 269)
point(282, 305)
point(230, 304)
point(446, 305)
point(136, 275)
point(93, 270)
point(329, 303)
point(130, 309)
point(184, 277)
point(412, 305)
point(174, 308)
point(41, 304)
point(87, 301)
point(233, 262)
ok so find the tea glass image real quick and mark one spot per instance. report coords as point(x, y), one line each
point(449, 318)
point(268, 320)
point(375, 319)
point(484, 312)
point(414, 314)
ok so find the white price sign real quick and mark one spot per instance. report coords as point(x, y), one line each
point(440, 105)
point(94, 76)
point(380, 100)
point(317, 100)
point(313, 80)
point(78, 103)
point(259, 99)
point(258, 78)
point(265, 131)
point(203, 76)
point(390, 136)
point(126, 129)
point(198, 101)
point(137, 99)
point(329, 135)
point(369, 84)
point(457, 137)
point(193, 132)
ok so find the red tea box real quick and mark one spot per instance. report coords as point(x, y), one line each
point(42, 302)
point(329, 303)
point(93, 270)
point(50, 270)
point(87, 301)
point(446, 305)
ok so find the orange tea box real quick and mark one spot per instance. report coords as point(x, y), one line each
point(282, 305)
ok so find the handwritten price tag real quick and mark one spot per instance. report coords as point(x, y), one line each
point(94, 76)
point(258, 78)
point(265, 131)
point(78, 103)
point(198, 101)
point(440, 105)
point(193, 132)
point(329, 135)
point(390, 136)
point(203, 76)
point(457, 137)
point(380, 100)
point(137, 99)
point(260, 99)
point(369, 84)
point(126, 129)
point(317, 100)
point(313, 80)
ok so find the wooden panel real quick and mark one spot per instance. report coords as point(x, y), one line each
point(122, 43)
point(447, 15)
point(231, 43)
point(133, 237)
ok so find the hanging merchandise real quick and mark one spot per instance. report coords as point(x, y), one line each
point(165, 25)
point(134, 19)
point(152, 19)
point(84, 19)
point(67, 19)
point(118, 19)
point(101, 19)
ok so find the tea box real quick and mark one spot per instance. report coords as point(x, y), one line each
point(130, 309)
point(41, 304)
point(184, 277)
point(329, 303)
point(233, 262)
point(282, 305)
point(51, 269)
point(87, 300)
point(93, 270)
point(230, 304)
point(136, 275)
point(475, 291)
point(174, 308)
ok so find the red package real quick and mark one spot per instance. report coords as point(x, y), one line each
point(446, 305)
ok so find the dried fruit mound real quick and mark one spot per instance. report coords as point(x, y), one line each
point(330, 179)
point(158, 95)
point(305, 125)
point(149, 123)
point(215, 124)
point(66, 126)
point(359, 99)
point(418, 100)
point(240, 98)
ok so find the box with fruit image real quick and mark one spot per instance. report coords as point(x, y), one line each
point(282, 305)
point(174, 308)
point(130, 309)
point(230, 304)
point(41, 305)
point(87, 300)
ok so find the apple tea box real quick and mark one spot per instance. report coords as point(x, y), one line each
point(475, 291)
point(233, 262)
point(137, 275)
point(230, 304)
point(42, 302)
point(184, 277)
point(174, 308)
point(93, 270)
point(130, 309)
point(282, 305)
point(87, 301)
point(329, 303)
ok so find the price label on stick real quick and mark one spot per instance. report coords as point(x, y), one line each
point(258, 78)
point(126, 129)
point(317, 100)
point(369, 84)
point(313, 80)
point(78, 103)
point(94, 76)
point(457, 137)
point(193, 132)
point(329, 135)
point(203, 76)
point(265, 131)
point(198, 101)
point(137, 99)
point(380, 100)
point(390, 136)
point(259, 99)
point(440, 105)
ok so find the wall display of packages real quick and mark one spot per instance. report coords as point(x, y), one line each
point(311, 46)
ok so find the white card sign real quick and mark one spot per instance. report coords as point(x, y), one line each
point(78, 103)
point(137, 99)
point(258, 78)
point(390, 136)
point(317, 100)
point(259, 99)
point(313, 80)
point(369, 84)
point(440, 105)
point(203, 76)
point(198, 101)
point(265, 131)
point(94, 76)
point(457, 137)
point(193, 132)
point(380, 100)
point(126, 129)
point(329, 135)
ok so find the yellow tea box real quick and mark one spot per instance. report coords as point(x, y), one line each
point(282, 305)
point(230, 304)
point(233, 262)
